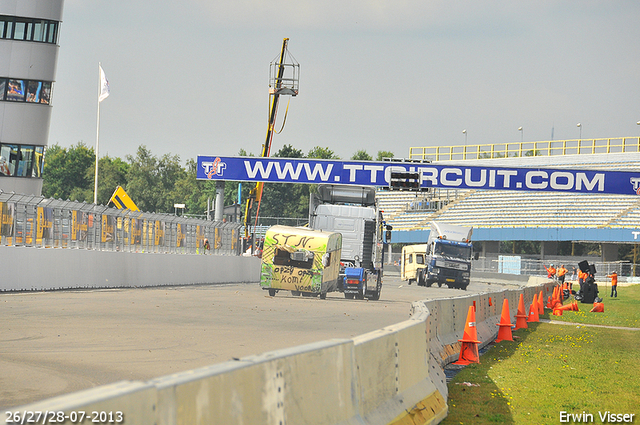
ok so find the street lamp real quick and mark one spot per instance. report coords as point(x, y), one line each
point(465, 136)
point(580, 127)
point(521, 134)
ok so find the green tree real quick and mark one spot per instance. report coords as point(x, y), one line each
point(190, 191)
point(112, 172)
point(288, 151)
point(361, 155)
point(322, 153)
point(243, 152)
point(384, 154)
point(151, 181)
point(67, 173)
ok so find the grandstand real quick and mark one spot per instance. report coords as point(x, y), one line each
point(518, 215)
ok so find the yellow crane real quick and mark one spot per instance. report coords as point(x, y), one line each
point(283, 80)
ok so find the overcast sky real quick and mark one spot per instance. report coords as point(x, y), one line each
point(191, 77)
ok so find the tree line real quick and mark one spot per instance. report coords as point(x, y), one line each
point(155, 183)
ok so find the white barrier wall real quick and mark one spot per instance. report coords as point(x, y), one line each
point(390, 376)
point(38, 269)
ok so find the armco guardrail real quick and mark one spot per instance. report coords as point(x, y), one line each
point(390, 376)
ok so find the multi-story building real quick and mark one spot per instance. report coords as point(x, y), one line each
point(29, 31)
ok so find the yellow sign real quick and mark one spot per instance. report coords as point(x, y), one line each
point(108, 228)
point(122, 201)
point(159, 237)
point(44, 225)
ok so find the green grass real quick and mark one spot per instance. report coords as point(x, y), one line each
point(621, 311)
point(551, 368)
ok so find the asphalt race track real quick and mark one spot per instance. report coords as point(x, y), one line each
point(54, 343)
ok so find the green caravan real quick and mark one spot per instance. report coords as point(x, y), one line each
point(303, 261)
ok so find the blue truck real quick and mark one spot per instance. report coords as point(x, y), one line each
point(448, 256)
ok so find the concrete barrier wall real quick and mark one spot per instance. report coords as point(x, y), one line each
point(22, 269)
point(390, 376)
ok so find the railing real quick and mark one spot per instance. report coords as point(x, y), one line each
point(525, 149)
point(35, 221)
point(516, 264)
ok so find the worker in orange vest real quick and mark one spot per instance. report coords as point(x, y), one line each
point(561, 273)
point(582, 276)
point(614, 284)
point(551, 271)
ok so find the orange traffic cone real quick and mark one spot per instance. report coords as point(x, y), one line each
point(490, 303)
point(540, 303)
point(504, 334)
point(597, 308)
point(568, 307)
point(549, 305)
point(533, 310)
point(521, 316)
point(469, 349)
point(557, 312)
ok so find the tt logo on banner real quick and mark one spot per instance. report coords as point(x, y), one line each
point(214, 168)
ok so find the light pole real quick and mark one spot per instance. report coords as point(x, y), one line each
point(465, 136)
point(580, 127)
point(521, 134)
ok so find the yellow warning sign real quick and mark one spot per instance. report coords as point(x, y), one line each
point(122, 201)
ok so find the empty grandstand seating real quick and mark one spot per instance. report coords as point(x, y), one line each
point(492, 208)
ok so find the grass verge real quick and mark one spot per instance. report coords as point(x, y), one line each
point(621, 311)
point(552, 368)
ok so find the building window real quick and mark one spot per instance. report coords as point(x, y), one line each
point(32, 91)
point(21, 160)
point(15, 90)
point(28, 29)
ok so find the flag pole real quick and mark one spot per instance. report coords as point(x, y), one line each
point(95, 187)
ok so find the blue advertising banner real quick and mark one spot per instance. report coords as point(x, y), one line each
point(371, 173)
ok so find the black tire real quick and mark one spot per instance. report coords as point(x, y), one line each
point(410, 281)
point(295, 293)
point(323, 296)
point(272, 292)
point(363, 292)
point(429, 283)
point(421, 278)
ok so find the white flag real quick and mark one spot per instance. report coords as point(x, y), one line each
point(104, 86)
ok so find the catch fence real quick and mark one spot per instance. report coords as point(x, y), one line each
point(35, 221)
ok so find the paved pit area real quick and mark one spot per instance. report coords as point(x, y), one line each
point(54, 343)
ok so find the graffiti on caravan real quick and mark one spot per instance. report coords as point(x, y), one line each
point(373, 173)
